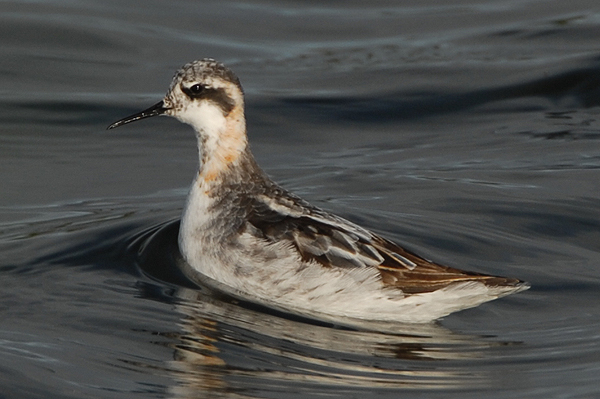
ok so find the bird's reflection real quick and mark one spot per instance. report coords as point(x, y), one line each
point(227, 349)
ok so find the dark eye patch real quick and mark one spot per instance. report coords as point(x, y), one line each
point(218, 96)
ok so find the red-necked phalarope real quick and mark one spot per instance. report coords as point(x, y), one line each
point(247, 236)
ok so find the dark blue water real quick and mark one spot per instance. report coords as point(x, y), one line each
point(468, 132)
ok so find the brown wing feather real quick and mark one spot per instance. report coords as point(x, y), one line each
point(335, 242)
point(422, 275)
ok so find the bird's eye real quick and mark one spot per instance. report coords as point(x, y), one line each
point(196, 89)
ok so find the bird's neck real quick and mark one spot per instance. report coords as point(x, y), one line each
point(223, 146)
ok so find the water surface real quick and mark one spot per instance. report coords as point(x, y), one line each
point(467, 132)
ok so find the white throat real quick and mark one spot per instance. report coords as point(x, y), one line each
point(221, 138)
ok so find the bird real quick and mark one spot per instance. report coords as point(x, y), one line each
point(245, 236)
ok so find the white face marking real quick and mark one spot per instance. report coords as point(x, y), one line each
point(203, 115)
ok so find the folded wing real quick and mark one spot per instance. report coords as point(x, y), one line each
point(335, 242)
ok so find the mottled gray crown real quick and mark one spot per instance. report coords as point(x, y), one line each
point(197, 71)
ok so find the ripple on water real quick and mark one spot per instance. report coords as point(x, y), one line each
point(115, 264)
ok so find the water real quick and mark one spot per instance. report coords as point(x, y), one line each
point(467, 131)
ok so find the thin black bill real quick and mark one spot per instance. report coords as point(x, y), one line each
point(156, 109)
